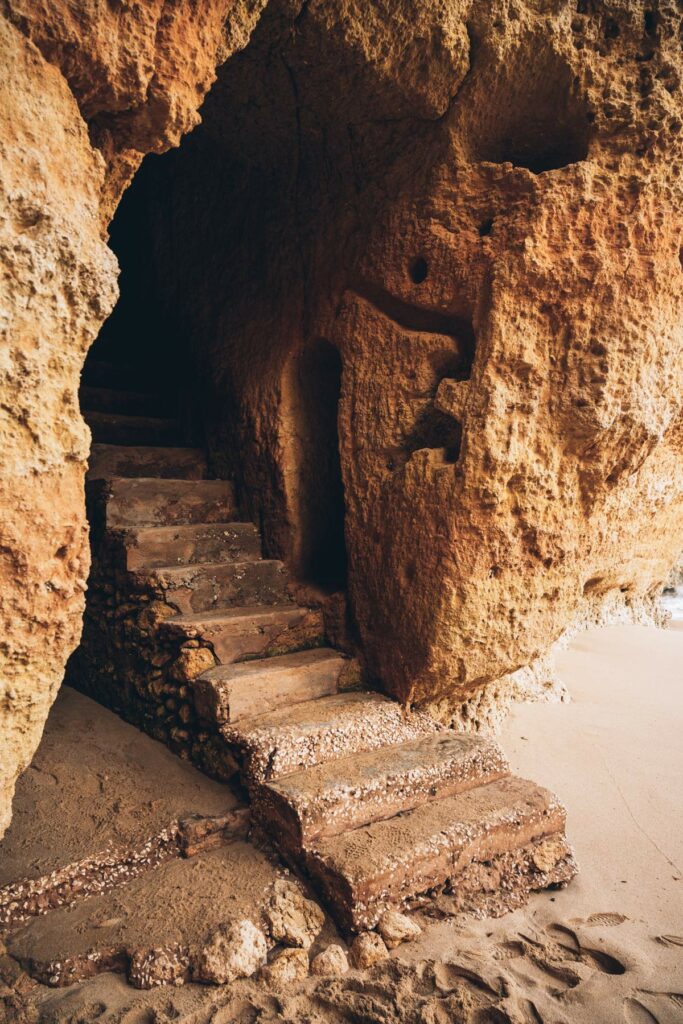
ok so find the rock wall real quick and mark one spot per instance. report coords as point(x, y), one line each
point(478, 205)
point(86, 91)
point(495, 253)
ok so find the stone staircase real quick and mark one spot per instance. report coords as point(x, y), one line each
point(384, 809)
point(179, 594)
point(194, 636)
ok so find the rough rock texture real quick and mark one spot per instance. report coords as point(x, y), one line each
point(396, 928)
point(291, 918)
point(461, 219)
point(482, 264)
point(58, 286)
point(288, 966)
point(86, 91)
point(233, 951)
point(367, 949)
point(332, 962)
point(139, 70)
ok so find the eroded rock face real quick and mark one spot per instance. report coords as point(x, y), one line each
point(59, 284)
point(138, 70)
point(86, 91)
point(517, 326)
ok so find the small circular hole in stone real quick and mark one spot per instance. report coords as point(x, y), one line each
point(419, 270)
point(485, 227)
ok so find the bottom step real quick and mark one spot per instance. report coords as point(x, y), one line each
point(492, 845)
point(151, 928)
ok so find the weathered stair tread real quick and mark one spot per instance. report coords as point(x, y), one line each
point(132, 785)
point(304, 735)
point(152, 546)
point(366, 870)
point(111, 460)
point(201, 587)
point(130, 403)
point(345, 794)
point(145, 501)
point(180, 902)
point(253, 629)
point(229, 693)
point(116, 428)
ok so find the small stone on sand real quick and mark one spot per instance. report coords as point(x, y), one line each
point(289, 966)
point(367, 949)
point(233, 951)
point(396, 928)
point(332, 962)
point(291, 918)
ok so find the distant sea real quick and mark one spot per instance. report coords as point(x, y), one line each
point(674, 603)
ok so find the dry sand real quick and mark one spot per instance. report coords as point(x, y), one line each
point(607, 949)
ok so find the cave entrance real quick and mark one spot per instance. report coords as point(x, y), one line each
point(215, 494)
point(137, 380)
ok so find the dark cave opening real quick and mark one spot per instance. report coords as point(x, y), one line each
point(137, 378)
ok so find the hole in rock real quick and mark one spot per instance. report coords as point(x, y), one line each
point(651, 21)
point(435, 429)
point(534, 115)
point(612, 29)
point(419, 270)
point(485, 227)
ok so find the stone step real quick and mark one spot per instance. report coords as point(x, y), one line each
point(203, 587)
point(153, 928)
point(121, 797)
point(104, 374)
point(113, 428)
point(252, 630)
point(493, 845)
point(229, 693)
point(130, 403)
point(152, 546)
point(355, 791)
point(110, 460)
point(153, 502)
point(298, 737)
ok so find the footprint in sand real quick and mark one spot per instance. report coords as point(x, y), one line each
point(669, 1006)
point(595, 957)
point(636, 1013)
point(545, 957)
point(138, 1014)
point(93, 1011)
point(446, 975)
point(562, 957)
point(532, 1012)
point(602, 920)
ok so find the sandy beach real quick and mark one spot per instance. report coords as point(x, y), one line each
point(609, 948)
